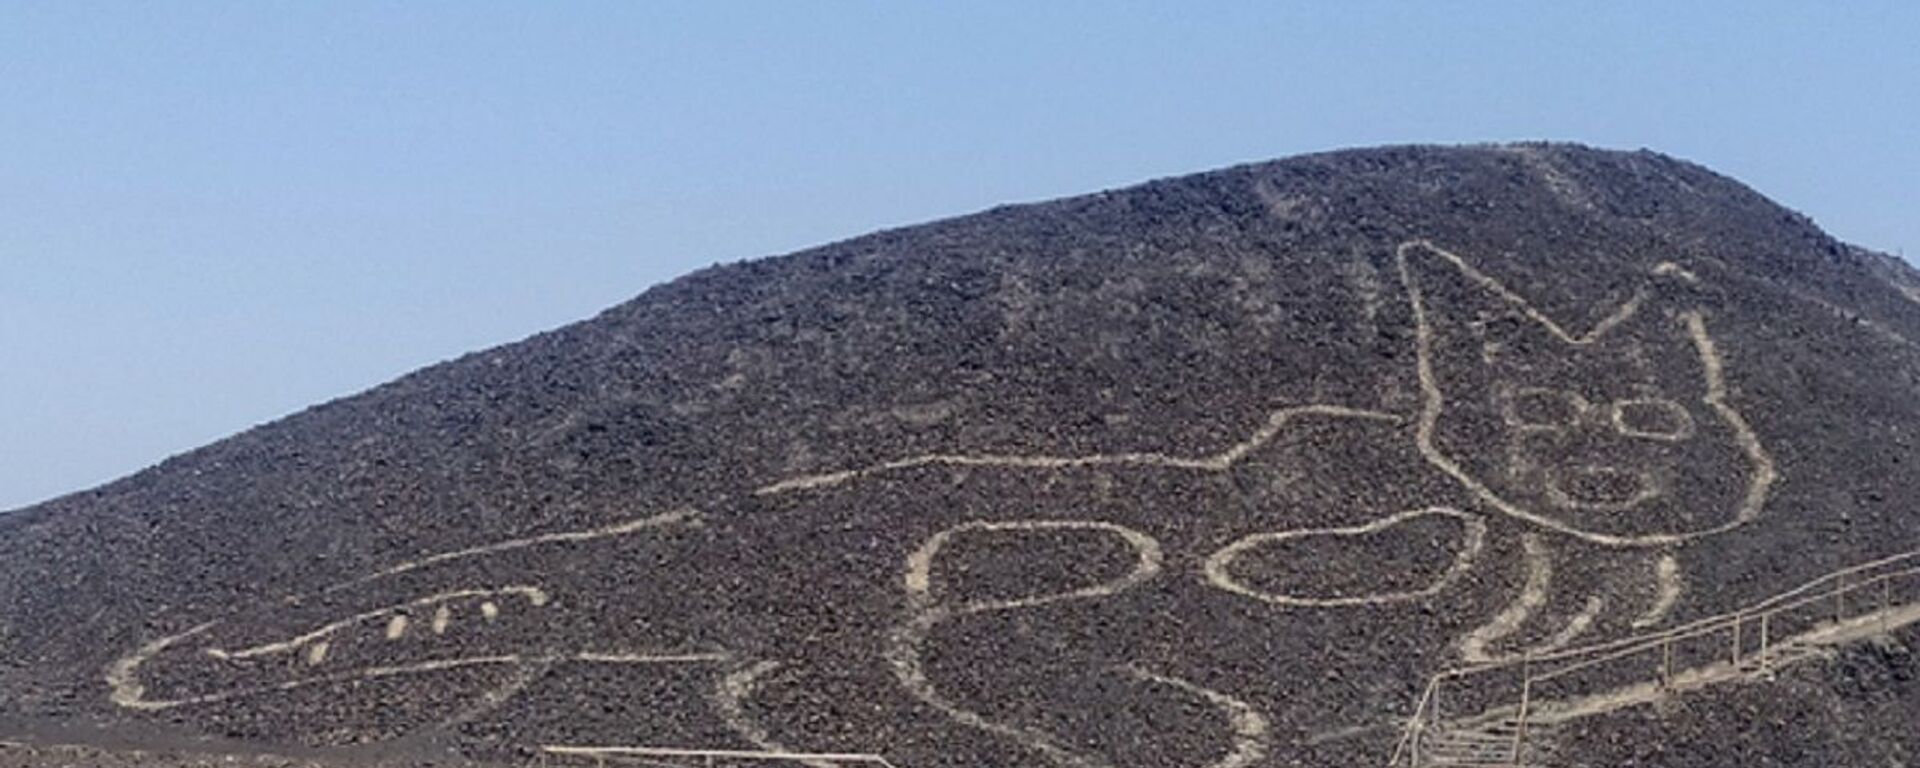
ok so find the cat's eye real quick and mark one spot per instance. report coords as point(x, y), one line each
point(1652, 418)
point(1541, 408)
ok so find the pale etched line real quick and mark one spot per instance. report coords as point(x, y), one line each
point(1219, 572)
point(1572, 193)
point(1670, 269)
point(1620, 315)
point(1349, 732)
point(1682, 430)
point(1533, 595)
point(520, 676)
point(131, 695)
point(123, 675)
point(1667, 577)
point(713, 754)
point(1434, 404)
point(1510, 408)
point(1567, 662)
point(1575, 627)
point(1252, 735)
point(1148, 558)
point(1764, 472)
point(396, 628)
point(1365, 281)
point(1646, 485)
point(1555, 712)
point(905, 649)
point(906, 644)
point(126, 690)
point(681, 516)
point(1880, 329)
point(730, 699)
point(395, 614)
point(696, 657)
point(1721, 621)
point(1216, 462)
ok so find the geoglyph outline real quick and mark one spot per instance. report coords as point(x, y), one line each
point(1250, 732)
point(1434, 403)
point(1218, 566)
point(905, 654)
point(1250, 729)
point(126, 690)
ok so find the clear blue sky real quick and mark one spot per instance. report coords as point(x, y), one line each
point(215, 214)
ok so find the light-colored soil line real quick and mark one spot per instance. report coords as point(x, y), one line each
point(1219, 566)
point(1533, 595)
point(1215, 462)
point(1434, 403)
point(1667, 577)
point(1575, 627)
point(730, 698)
point(1252, 734)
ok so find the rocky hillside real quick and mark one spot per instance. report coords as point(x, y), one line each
point(1220, 470)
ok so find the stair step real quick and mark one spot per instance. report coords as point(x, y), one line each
point(1484, 744)
point(1499, 756)
point(1505, 761)
point(1777, 658)
point(1465, 743)
point(1488, 745)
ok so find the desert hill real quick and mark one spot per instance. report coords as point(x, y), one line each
point(1407, 455)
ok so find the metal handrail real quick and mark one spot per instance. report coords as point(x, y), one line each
point(710, 756)
point(1697, 624)
point(1411, 732)
point(1732, 619)
point(1590, 656)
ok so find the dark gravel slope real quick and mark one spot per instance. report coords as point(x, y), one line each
point(1214, 470)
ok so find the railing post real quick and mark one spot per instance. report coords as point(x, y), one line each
point(1438, 686)
point(1526, 700)
point(1736, 639)
point(1413, 744)
point(1764, 661)
point(1886, 602)
point(1840, 601)
point(1666, 664)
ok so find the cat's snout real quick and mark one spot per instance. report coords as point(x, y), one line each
point(1600, 487)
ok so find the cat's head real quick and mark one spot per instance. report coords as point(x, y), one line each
point(1618, 430)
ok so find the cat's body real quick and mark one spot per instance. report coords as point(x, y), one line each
point(1537, 493)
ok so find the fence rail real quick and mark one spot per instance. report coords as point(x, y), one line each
point(1745, 639)
point(679, 757)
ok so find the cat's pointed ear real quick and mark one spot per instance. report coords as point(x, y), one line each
point(1465, 313)
point(1461, 324)
point(1674, 288)
point(1677, 331)
point(1454, 295)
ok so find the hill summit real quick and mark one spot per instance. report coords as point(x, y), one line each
point(1415, 456)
